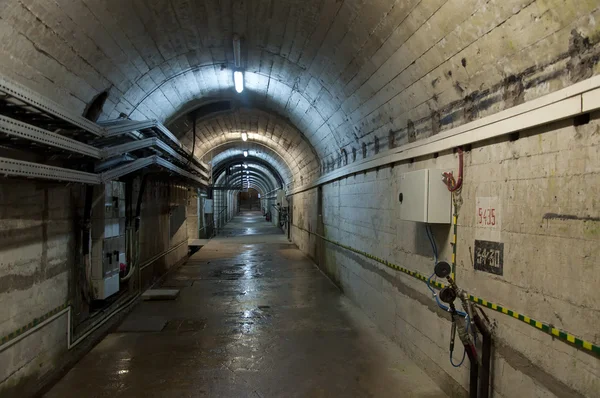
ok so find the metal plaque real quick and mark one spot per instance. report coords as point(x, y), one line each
point(489, 256)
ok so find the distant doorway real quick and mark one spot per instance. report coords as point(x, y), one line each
point(249, 200)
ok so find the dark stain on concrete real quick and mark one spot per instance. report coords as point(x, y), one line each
point(470, 110)
point(581, 64)
point(555, 216)
point(391, 139)
point(515, 359)
point(435, 122)
point(514, 92)
point(410, 127)
point(459, 88)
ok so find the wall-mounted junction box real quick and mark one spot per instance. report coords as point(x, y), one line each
point(281, 198)
point(108, 239)
point(424, 197)
point(208, 206)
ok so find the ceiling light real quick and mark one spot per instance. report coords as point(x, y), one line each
point(245, 166)
point(245, 154)
point(237, 50)
point(238, 79)
point(244, 136)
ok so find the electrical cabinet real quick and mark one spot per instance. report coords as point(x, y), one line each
point(424, 197)
point(208, 206)
point(109, 243)
point(281, 198)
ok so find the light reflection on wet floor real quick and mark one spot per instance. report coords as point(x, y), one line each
point(255, 318)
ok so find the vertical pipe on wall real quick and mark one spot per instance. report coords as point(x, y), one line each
point(486, 357)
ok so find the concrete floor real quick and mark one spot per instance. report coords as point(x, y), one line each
point(254, 318)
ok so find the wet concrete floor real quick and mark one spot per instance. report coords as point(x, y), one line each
point(254, 318)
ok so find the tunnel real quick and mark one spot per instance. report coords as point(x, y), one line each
point(319, 198)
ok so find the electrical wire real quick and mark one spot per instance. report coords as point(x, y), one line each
point(461, 361)
point(432, 242)
point(452, 184)
point(435, 295)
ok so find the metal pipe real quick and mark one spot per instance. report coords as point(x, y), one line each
point(486, 357)
point(473, 374)
point(153, 259)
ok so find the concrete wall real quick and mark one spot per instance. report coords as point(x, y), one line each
point(194, 214)
point(546, 185)
point(40, 260)
point(158, 233)
point(38, 254)
point(225, 206)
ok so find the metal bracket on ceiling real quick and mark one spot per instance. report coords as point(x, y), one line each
point(30, 120)
point(31, 102)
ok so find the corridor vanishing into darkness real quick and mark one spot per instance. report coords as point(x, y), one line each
point(425, 176)
point(254, 318)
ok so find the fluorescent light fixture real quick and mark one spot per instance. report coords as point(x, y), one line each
point(244, 136)
point(245, 154)
point(238, 79)
point(237, 50)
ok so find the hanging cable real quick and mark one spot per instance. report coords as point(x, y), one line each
point(461, 361)
point(434, 249)
point(455, 184)
point(432, 242)
point(193, 139)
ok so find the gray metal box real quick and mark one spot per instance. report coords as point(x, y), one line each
point(425, 197)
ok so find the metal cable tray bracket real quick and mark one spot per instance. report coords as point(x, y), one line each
point(19, 168)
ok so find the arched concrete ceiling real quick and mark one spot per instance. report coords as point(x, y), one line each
point(344, 72)
point(256, 164)
point(264, 128)
point(261, 182)
point(234, 150)
point(253, 171)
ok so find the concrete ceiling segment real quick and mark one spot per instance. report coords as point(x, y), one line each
point(253, 170)
point(235, 150)
point(254, 164)
point(347, 73)
point(264, 173)
point(255, 178)
point(264, 128)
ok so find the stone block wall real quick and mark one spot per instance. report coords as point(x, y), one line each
point(543, 184)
